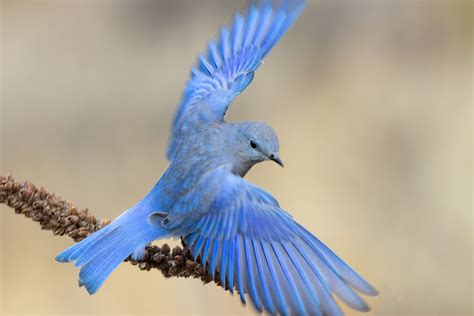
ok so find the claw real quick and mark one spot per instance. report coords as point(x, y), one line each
point(158, 219)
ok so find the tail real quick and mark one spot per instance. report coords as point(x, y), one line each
point(101, 253)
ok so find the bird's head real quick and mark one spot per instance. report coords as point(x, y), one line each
point(258, 142)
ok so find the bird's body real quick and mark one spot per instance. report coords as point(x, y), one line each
point(233, 226)
point(217, 146)
point(213, 145)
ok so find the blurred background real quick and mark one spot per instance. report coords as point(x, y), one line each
point(372, 101)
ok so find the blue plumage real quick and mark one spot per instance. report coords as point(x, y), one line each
point(230, 63)
point(236, 228)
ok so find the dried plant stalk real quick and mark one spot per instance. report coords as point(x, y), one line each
point(63, 218)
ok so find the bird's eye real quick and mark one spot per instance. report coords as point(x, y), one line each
point(252, 144)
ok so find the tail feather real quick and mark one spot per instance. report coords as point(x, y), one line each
point(73, 252)
point(102, 252)
point(98, 247)
point(94, 273)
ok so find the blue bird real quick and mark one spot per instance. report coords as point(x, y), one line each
point(234, 227)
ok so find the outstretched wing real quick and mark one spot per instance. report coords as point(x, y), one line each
point(259, 249)
point(229, 65)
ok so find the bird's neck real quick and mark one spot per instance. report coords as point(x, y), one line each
point(241, 168)
point(233, 142)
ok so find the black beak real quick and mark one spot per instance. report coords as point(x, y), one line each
point(277, 160)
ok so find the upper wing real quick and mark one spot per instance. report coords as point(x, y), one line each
point(229, 65)
point(259, 249)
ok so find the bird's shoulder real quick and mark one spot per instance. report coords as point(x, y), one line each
point(215, 190)
point(204, 144)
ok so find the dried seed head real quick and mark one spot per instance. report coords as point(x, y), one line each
point(62, 217)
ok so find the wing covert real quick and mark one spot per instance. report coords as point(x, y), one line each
point(230, 62)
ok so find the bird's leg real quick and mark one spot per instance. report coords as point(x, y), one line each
point(156, 217)
point(159, 214)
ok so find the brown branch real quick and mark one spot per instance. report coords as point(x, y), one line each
point(63, 218)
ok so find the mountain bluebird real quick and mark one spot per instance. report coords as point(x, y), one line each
point(233, 226)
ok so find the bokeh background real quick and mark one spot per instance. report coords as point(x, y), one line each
point(372, 101)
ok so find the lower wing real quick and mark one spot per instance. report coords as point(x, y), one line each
point(258, 248)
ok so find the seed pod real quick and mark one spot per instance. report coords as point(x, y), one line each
point(74, 219)
point(179, 260)
point(165, 249)
point(103, 222)
point(158, 258)
point(177, 251)
point(37, 217)
point(59, 231)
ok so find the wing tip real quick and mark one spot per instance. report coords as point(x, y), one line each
point(371, 291)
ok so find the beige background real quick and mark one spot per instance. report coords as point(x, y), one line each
point(372, 101)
